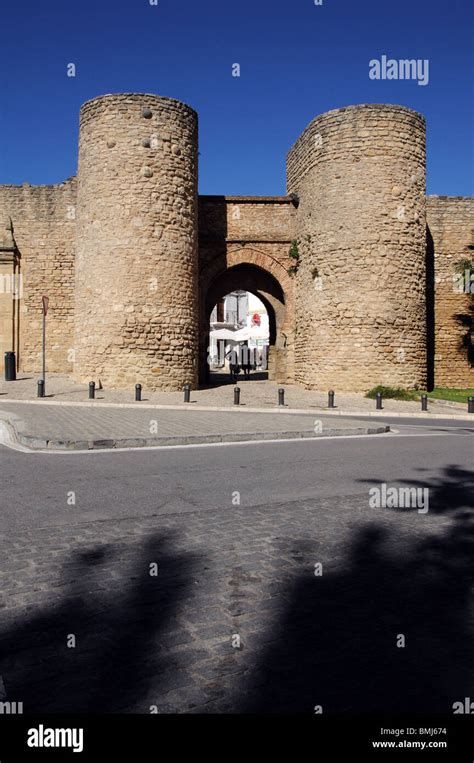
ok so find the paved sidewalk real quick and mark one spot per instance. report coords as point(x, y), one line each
point(72, 427)
point(254, 394)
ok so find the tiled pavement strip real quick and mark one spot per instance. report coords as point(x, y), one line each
point(41, 426)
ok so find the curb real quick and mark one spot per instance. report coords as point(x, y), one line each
point(8, 433)
point(244, 409)
point(39, 443)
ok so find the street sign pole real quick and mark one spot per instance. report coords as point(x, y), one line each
point(44, 347)
point(45, 301)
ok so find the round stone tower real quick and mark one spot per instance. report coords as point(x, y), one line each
point(136, 249)
point(359, 173)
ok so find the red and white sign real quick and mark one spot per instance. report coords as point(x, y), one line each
point(256, 320)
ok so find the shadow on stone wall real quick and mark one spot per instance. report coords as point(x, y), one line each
point(466, 320)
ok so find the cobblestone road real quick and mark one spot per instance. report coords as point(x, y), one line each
point(170, 641)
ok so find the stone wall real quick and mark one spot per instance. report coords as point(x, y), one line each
point(450, 222)
point(133, 260)
point(43, 229)
point(246, 218)
point(359, 173)
point(136, 247)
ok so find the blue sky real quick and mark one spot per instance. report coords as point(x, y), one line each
point(297, 60)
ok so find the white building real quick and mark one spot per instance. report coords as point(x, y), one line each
point(240, 318)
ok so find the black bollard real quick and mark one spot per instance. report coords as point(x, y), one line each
point(10, 366)
point(331, 398)
point(470, 404)
point(187, 393)
point(40, 387)
point(424, 402)
point(91, 390)
point(138, 392)
point(281, 397)
point(378, 401)
point(236, 395)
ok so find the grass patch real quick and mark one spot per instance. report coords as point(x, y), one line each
point(455, 395)
point(439, 393)
point(395, 393)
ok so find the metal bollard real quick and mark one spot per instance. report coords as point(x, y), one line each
point(236, 395)
point(281, 397)
point(10, 366)
point(424, 402)
point(470, 404)
point(138, 392)
point(378, 401)
point(187, 393)
point(91, 390)
point(40, 387)
point(331, 398)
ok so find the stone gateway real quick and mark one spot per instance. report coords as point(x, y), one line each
point(133, 260)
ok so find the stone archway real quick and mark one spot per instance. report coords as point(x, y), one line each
point(243, 273)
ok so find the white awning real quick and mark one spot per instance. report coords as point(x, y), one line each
point(250, 332)
point(223, 334)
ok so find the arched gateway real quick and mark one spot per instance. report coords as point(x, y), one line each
point(244, 243)
point(255, 279)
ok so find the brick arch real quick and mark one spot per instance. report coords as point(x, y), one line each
point(244, 255)
point(254, 279)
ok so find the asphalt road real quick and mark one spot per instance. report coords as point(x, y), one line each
point(35, 487)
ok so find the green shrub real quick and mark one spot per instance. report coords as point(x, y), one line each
point(294, 254)
point(396, 393)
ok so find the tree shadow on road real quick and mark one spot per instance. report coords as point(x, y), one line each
point(122, 619)
point(452, 492)
point(339, 644)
